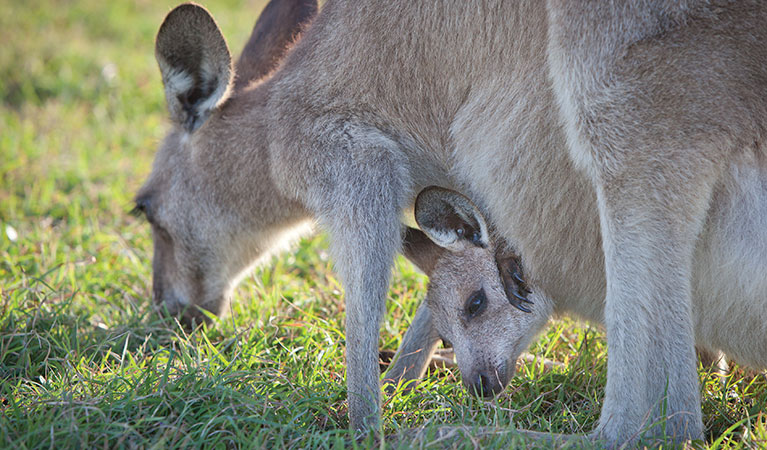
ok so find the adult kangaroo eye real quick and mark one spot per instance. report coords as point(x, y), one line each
point(476, 303)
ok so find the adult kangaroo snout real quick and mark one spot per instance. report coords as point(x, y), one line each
point(597, 139)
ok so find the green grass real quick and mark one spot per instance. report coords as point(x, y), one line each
point(85, 361)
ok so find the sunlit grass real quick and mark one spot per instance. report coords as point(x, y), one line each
point(86, 362)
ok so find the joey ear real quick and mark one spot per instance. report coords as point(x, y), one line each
point(277, 27)
point(195, 64)
point(450, 219)
point(420, 250)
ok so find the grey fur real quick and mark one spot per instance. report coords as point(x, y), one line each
point(617, 146)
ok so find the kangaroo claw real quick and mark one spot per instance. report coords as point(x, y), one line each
point(514, 283)
point(521, 307)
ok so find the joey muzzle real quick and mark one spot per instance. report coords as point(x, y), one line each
point(487, 383)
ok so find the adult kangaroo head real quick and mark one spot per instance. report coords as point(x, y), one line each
point(477, 295)
point(195, 198)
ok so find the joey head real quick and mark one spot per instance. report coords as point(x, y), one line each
point(477, 299)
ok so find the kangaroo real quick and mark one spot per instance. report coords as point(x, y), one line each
point(617, 147)
point(477, 297)
point(478, 300)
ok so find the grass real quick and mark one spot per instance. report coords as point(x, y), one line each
point(85, 361)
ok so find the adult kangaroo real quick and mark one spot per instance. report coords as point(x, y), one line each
point(597, 138)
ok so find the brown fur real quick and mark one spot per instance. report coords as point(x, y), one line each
point(602, 142)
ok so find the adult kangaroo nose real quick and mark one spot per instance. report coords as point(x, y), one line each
point(485, 384)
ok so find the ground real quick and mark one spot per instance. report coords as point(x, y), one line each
point(84, 359)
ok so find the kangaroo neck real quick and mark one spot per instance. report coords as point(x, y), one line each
point(237, 165)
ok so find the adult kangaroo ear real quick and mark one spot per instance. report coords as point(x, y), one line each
point(420, 250)
point(195, 64)
point(450, 219)
point(277, 27)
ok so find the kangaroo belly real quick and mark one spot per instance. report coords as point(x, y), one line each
point(730, 271)
point(546, 209)
point(513, 163)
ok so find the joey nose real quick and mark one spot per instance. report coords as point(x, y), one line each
point(485, 384)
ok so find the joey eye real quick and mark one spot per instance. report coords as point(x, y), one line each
point(476, 303)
